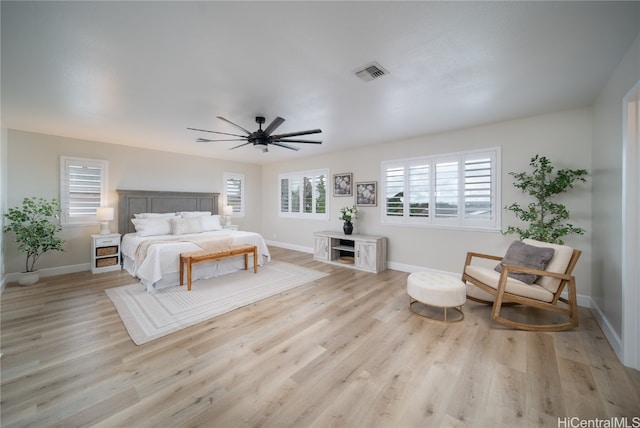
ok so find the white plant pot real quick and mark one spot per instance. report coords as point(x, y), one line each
point(29, 278)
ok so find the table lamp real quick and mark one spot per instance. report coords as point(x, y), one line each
point(227, 211)
point(105, 215)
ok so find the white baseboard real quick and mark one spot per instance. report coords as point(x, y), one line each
point(10, 277)
point(412, 268)
point(611, 335)
point(290, 246)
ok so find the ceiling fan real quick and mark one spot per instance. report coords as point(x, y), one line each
point(262, 138)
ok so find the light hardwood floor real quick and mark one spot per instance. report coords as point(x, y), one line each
point(342, 351)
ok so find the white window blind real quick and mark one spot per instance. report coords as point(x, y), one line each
point(478, 188)
point(83, 189)
point(455, 190)
point(234, 192)
point(304, 195)
point(446, 189)
point(394, 190)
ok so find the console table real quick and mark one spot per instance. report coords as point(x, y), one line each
point(364, 252)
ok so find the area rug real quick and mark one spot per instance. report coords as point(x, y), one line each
point(149, 316)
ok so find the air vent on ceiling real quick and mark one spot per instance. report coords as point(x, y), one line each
point(370, 72)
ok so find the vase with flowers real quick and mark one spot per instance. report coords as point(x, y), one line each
point(348, 214)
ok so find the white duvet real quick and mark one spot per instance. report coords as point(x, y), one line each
point(161, 266)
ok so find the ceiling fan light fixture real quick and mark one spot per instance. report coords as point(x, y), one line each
point(262, 138)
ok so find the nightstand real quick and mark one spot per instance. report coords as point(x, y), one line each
point(231, 227)
point(105, 252)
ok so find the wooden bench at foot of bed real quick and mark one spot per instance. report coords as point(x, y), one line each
point(207, 255)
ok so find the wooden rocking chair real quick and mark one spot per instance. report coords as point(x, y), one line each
point(486, 285)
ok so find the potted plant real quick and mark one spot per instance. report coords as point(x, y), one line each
point(546, 218)
point(35, 226)
point(347, 214)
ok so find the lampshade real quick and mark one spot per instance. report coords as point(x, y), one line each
point(227, 210)
point(104, 214)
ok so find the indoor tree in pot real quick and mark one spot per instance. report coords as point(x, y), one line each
point(35, 225)
point(546, 218)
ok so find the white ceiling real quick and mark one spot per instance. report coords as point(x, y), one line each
point(140, 73)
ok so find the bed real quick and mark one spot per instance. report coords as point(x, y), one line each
point(157, 226)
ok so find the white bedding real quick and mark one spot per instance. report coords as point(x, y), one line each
point(161, 267)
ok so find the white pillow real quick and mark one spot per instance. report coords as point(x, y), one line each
point(211, 222)
point(180, 226)
point(152, 226)
point(154, 215)
point(186, 214)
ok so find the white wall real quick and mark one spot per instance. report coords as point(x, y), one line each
point(33, 170)
point(3, 200)
point(607, 189)
point(564, 137)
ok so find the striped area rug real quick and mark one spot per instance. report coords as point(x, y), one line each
point(149, 316)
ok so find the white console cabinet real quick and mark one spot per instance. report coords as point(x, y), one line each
point(368, 253)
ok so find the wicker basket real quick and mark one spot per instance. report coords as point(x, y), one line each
point(106, 251)
point(107, 261)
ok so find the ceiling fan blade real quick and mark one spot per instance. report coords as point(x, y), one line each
point(275, 143)
point(288, 140)
point(249, 142)
point(273, 125)
point(215, 132)
point(231, 123)
point(205, 140)
point(295, 134)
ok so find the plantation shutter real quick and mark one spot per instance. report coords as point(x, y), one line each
point(296, 193)
point(320, 193)
point(454, 190)
point(284, 195)
point(394, 190)
point(304, 194)
point(419, 190)
point(234, 192)
point(478, 192)
point(446, 188)
point(83, 189)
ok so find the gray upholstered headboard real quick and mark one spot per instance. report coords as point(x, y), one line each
point(131, 202)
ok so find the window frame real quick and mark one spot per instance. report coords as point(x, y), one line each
point(65, 162)
point(238, 209)
point(464, 187)
point(301, 176)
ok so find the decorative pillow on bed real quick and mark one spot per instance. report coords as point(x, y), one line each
point(211, 222)
point(521, 254)
point(154, 215)
point(152, 226)
point(186, 214)
point(180, 226)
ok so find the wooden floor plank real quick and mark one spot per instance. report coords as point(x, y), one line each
point(341, 351)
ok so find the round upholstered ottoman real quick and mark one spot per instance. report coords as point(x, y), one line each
point(439, 290)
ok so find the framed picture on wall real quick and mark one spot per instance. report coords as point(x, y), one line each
point(367, 193)
point(343, 184)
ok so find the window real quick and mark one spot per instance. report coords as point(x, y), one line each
point(457, 190)
point(234, 192)
point(304, 194)
point(83, 189)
